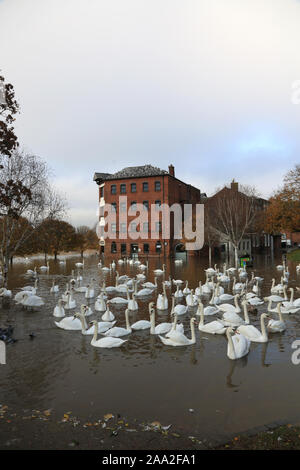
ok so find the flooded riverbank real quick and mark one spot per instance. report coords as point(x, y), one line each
point(196, 389)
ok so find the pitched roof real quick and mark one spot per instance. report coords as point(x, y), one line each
point(132, 172)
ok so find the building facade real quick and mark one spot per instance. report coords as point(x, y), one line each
point(149, 187)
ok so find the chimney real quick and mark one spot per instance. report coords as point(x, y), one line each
point(234, 185)
point(171, 170)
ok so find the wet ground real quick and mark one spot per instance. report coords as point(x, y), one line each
point(196, 389)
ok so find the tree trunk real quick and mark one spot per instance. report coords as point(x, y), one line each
point(55, 255)
point(11, 260)
point(5, 270)
point(209, 256)
point(236, 256)
point(81, 253)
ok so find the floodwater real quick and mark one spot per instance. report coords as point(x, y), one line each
point(144, 379)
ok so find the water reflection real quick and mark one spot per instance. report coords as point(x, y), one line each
point(61, 369)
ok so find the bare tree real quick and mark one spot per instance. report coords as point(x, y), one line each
point(25, 192)
point(233, 214)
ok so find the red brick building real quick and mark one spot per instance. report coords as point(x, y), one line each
point(151, 187)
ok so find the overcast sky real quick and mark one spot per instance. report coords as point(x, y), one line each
point(203, 84)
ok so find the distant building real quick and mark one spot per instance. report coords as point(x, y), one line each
point(146, 185)
point(253, 242)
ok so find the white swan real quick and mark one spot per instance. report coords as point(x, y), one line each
point(161, 328)
point(198, 290)
point(54, 288)
point(158, 272)
point(186, 290)
point(70, 323)
point(238, 345)
point(230, 308)
point(45, 268)
point(252, 333)
point(118, 331)
point(179, 339)
point(32, 289)
point(132, 303)
point(178, 293)
point(215, 327)
point(150, 285)
point(108, 315)
point(5, 292)
point(32, 300)
point(118, 300)
point(191, 299)
point(108, 342)
point(71, 302)
point(209, 310)
point(231, 318)
point(179, 309)
point(277, 326)
point(162, 300)
point(90, 291)
point(59, 311)
point(103, 326)
point(100, 305)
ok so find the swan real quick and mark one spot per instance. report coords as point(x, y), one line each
point(132, 303)
point(231, 318)
point(162, 300)
point(54, 288)
point(80, 265)
point(31, 272)
point(100, 305)
point(59, 311)
point(90, 291)
point(159, 271)
point(32, 300)
point(186, 290)
point(118, 300)
point(108, 342)
point(177, 282)
point(206, 288)
point(70, 323)
point(252, 333)
point(179, 339)
point(215, 327)
point(179, 309)
point(143, 266)
point(291, 304)
point(103, 326)
point(238, 345)
point(20, 296)
point(255, 301)
point(71, 302)
point(141, 325)
point(237, 286)
point(5, 292)
point(198, 290)
point(191, 299)
point(168, 283)
point(277, 326)
point(31, 288)
point(175, 328)
point(161, 328)
point(209, 310)
point(45, 268)
point(143, 292)
point(230, 308)
point(210, 271)
point(65, 294)
point(108, 315)
point(178, 293)
point(150, 285)
point(117, 331)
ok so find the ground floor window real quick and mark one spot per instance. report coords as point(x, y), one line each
point(114, 247)
point(134, 248)
point(146, 247)
point(158, 247)
point(123, 248)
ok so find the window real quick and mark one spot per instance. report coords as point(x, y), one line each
point(113, 228)
point(133, 205)
point(146, 227)
point(123, 228)
point(146, 247)
point(123, 206)
point(123, 188)
point(123, 248)
point(114, 206)
point(146, 205)
point(113, 189)
point(114, 247)
point(133, 187)
point(102, 191)
point(132, 227)
point(158, 247)
point(157, 205)
point(158, 226)
point(145, 187)
point(157, 186)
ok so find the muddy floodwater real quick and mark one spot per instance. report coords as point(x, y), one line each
point(196, 388)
